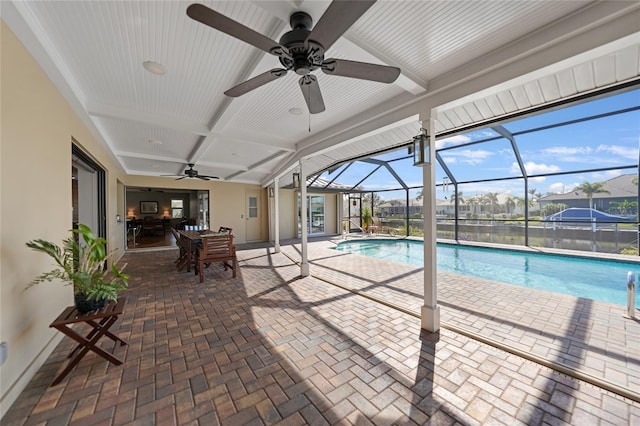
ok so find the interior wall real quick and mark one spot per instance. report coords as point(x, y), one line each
point(226, 200)
point(163, 197)
point(36, 130)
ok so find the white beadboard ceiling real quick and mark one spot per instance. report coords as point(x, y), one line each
point(468, 61)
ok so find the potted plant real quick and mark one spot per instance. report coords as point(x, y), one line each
point(83, 265)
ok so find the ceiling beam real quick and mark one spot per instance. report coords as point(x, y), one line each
point(218, 119)
point(254, 138)
point(407, 80)
point(152, 119)
point(151, 157)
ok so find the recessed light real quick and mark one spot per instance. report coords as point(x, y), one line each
point(154, 67)
point(155, 142)
point(296, 111)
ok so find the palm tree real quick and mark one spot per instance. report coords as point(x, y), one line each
point(474, 201)
point(591, 188)
point(624, 206)
point(457, 196)
point(510, 204)
point(535, 196)
point(491, 198)
point(377, 200)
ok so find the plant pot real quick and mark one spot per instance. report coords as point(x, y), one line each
point(84, 305)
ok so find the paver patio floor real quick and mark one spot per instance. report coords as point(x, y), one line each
point(589, 336)
point(270, 347)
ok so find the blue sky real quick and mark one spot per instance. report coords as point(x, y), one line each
point(600, 143)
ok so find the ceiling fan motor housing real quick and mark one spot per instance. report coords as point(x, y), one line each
point(305, 57)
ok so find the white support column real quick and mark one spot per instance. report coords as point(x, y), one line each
point(276, 213)
point(430, 312)
point(304, 261)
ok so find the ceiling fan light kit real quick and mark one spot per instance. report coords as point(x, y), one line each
point(302, 49)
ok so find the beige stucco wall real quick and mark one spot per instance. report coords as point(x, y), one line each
point(37, 126)
point(330, 217)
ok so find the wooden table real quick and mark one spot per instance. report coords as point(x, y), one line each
point(100, 321)
point(193, 238)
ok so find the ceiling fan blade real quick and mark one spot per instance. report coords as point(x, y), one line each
point(181, 177)
point(361, 70)
point(336, 20)
point(210, 17)
point(202, 177)
point(255, 82)
point(311, 92)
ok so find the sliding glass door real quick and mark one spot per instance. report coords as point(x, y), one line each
point(315, 215)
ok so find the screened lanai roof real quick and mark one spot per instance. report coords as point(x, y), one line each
point(610, 66)
point(593, 139)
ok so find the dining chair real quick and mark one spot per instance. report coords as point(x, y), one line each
point(216, 248)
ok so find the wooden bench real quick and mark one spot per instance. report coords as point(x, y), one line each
point(216, 248)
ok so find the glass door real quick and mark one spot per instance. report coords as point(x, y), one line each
point(315, 215)
point(203, 209)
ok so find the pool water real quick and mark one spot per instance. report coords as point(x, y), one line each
point(595, 279)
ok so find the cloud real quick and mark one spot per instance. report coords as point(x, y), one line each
point(622, 151)
point(606, 175)
point(557, 188)
point(468, 156)
point(501, 187)
point(568, 150)
point(535, 168)
point(562, 188)
point(587, 154)
point(452, 141)
point(571, 154)
point(481, 134)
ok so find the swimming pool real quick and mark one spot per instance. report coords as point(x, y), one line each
point(595, 279)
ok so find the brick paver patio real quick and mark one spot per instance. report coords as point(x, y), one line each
point(591, 337)
point(269, 347)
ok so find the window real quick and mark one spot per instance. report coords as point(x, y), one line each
point(177, 209)
point(253, 207)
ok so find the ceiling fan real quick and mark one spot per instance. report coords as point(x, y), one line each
point(302, 49)
point(193, 174)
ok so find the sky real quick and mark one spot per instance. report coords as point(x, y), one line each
point(604, 142)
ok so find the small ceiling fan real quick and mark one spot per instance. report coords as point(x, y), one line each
point(302, 49)
point(193, 174)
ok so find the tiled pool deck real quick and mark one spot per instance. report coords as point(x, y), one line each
point(270, 347)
